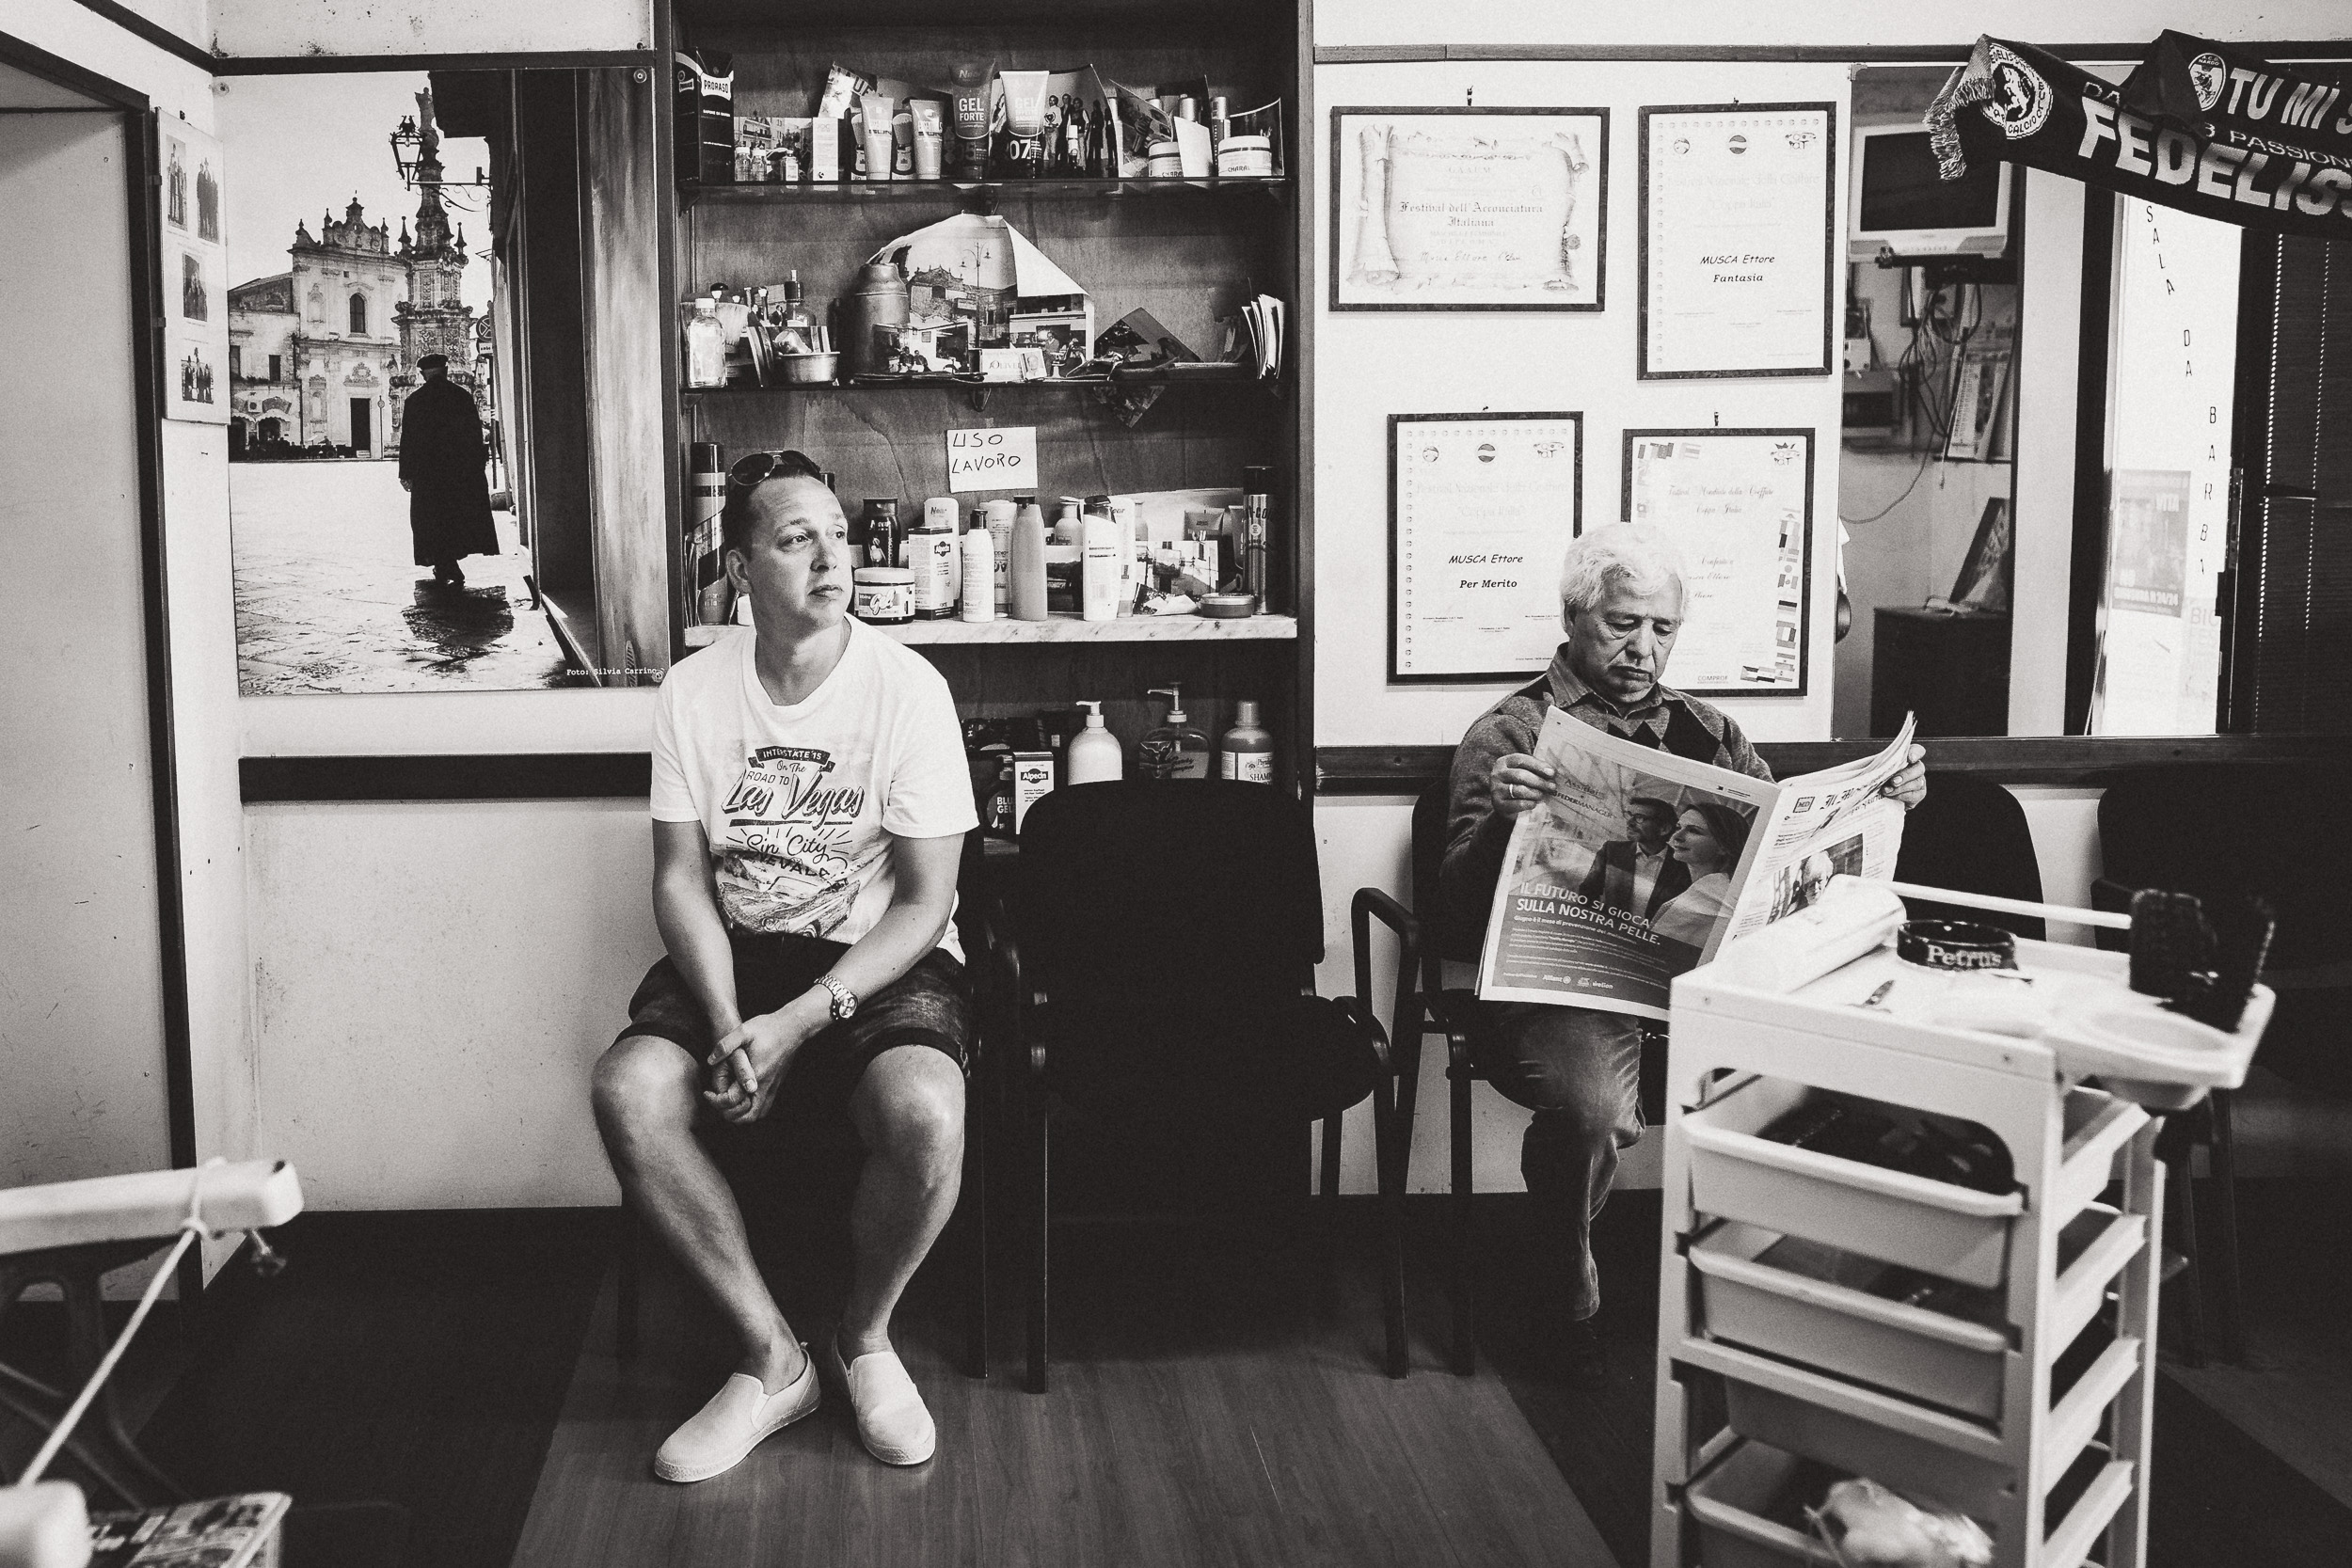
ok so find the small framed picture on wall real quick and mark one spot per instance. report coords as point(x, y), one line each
point(195, 274)
point(1458, 208)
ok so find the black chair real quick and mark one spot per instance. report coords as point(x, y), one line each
point(770, 1163)
point(1125, 898)
point(1428, 937)
point(2223, 832)
point(1971, 836)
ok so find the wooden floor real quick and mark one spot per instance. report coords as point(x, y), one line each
point(2293, 1392)
point(1250, 1427)
point(1215, 1401)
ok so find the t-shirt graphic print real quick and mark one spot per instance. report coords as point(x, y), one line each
point(802, 803)
point(788, 860)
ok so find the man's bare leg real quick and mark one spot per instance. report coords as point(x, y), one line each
point(646, 1092)
point(908, 1109)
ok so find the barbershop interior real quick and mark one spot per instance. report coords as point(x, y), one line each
point(1369, 844)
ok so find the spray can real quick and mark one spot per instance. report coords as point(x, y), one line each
point(707, 498)
point(1257, 502)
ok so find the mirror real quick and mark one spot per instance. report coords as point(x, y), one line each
point(2121, 625)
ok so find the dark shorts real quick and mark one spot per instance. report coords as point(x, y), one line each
point(930, 1005)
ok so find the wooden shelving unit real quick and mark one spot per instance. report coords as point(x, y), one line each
point(1188, 251)
point(1207, 373)
point(1066, 628)
point(1273, 187)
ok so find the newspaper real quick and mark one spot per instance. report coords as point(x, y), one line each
point(219, 1532)
point(1644, 864)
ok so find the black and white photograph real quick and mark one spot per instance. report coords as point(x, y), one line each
point(1015, 783)
point(193, 325)
point(377, 543)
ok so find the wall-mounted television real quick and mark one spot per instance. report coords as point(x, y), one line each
point(1901, 205)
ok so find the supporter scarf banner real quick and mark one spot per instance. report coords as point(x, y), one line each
point(2200, 126)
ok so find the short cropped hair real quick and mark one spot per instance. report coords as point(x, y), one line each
point(1651, 802)
point(735, 520)
point(1618, 554)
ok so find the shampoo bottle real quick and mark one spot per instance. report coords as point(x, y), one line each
point(1000, 514)
point(1175, 749)
point(1094, 754)
point(1026, 587)
point(979, 595)
point(1246, 752)
point(1101, 565)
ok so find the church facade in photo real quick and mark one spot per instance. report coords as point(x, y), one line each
point(325, 352)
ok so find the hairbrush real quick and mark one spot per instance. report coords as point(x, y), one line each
point(2170, 942)
point(2243, 928)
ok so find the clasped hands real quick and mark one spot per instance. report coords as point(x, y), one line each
point(749, 1062)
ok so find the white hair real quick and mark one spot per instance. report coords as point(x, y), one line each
point(1628, 555)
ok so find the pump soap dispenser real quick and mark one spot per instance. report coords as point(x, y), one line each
point(1094, 754)
point(1175, 749)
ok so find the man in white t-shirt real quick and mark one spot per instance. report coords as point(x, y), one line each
point(810, 802)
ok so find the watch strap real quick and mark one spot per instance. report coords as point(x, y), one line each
point(842, 1000)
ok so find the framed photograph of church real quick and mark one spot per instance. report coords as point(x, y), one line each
point(195, 272)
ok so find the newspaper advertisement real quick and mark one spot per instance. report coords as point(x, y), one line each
point(1643, 863)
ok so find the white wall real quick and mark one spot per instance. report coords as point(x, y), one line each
point(432, 982)
point(1728, 24)
point(350, 28)
point(202, 629)
point(1369, 365)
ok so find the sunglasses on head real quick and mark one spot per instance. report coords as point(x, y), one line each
point(753, 470)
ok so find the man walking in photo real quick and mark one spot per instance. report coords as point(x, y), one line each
point(444, 467)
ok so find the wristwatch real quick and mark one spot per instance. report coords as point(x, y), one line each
point(844, 999)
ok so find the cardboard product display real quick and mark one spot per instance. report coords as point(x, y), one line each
point(980, 274)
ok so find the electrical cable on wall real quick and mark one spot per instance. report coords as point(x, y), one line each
point(1916, 476)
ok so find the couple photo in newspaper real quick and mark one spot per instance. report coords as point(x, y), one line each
point(1644, 864)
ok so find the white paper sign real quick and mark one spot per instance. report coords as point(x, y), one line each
point(1739, 505)
point(992, 459)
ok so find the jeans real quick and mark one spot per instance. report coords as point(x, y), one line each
point(1580, 1071)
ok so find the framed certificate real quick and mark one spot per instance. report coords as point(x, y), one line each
point(1481, 509)
point(1738, 259)
point(1738, 503)
point(1451, 209)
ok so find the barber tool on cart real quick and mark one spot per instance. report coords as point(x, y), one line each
point(71, 1233)
point(1912, 1228)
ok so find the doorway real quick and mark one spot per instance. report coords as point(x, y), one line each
point(88, 848)
point(362, 439)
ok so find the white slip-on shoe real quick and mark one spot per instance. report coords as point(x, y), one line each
point(892, 1420)
point(716, 1437)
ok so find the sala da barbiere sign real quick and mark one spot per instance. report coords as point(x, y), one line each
point(2198, 126)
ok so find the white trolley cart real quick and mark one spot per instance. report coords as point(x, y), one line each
point(1999, 1404)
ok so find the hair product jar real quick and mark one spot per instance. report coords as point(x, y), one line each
point(884, 595)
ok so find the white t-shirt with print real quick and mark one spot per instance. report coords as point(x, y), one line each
point(801, 803)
